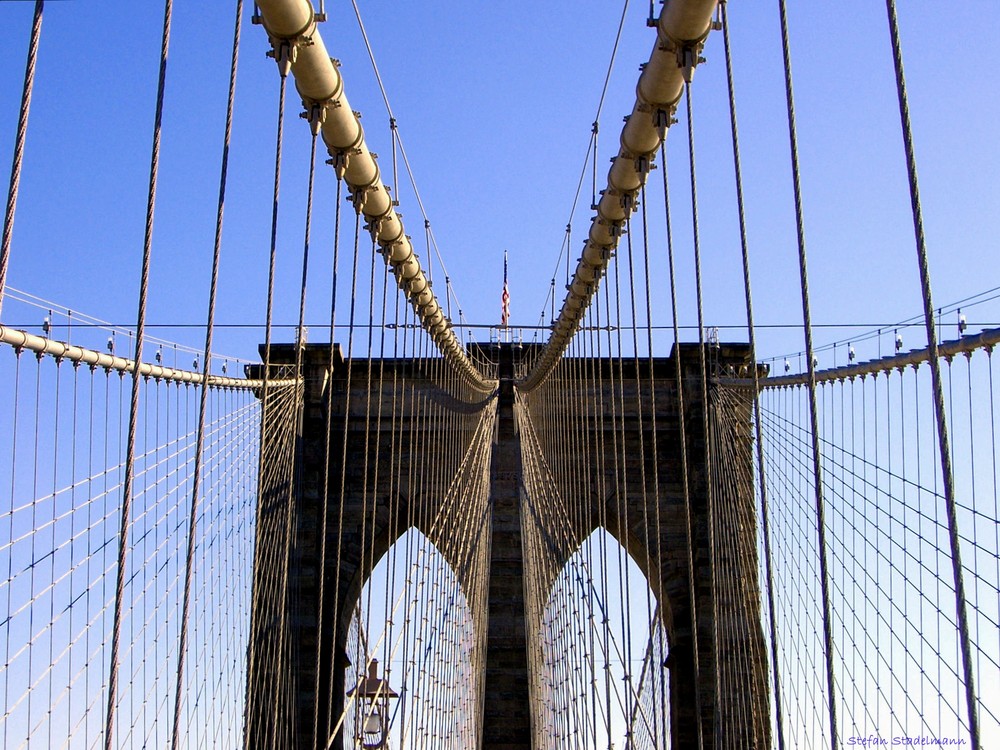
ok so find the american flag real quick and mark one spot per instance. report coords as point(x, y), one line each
point(505, 297)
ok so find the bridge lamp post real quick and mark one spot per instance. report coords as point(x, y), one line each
point(373, 694)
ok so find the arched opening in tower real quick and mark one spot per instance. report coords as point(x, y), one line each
point(597, 651)
point(416, 650)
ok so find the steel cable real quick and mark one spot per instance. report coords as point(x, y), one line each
point(19, 142)
point(207, 359)
point(126, 505)
point(811, 365)
point(751, 333)
point(944, 450)
point(320, 729)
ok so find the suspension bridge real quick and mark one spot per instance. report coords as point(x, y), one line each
point(384, 524)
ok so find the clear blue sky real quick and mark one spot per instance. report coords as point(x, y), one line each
point(494, 103)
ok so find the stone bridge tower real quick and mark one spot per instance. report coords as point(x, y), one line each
point(507, 711)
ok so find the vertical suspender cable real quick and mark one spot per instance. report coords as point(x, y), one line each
point(593, 173)
point(590, 159)
point(658, 674)
point(368, 529)
point(295, 487)
point(709, 499)
point(623, 496)
point(395, 512)
point(282, 55)
point(203, 403)
point(602, 505)
point(751, 333)
point(682, 429)
point(386, 629)
point(140, 332)
point(34, 552)
point(301, 328)
point(642, 441)
point(405, 407)
point(616, 453)
point(19, 139)
point(594, 418)
point(331, 734)
point(320, 730)
point(811, 365)
point(939, 410)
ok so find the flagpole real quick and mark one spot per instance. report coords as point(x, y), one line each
point(505, 297)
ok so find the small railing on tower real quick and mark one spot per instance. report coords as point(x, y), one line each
point(506, 335)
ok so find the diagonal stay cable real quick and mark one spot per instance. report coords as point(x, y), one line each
point(940, 415)
point(19, 141)
point(203, 401)
point(126, 505)
point(811, 364)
